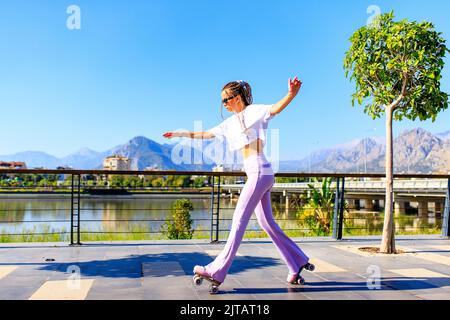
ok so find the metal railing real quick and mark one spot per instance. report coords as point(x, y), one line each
point(78, 187)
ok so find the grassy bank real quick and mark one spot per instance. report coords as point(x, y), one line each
point(48, 234)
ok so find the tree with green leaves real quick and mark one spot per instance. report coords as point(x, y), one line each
point(397, 67)
point(117, 181)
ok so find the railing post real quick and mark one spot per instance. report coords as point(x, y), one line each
point(75, 207)
point(79, 211)
point(71, 211)
point(212, 208)
point(218, 212)
point(341, 210)
point(336, 210)
point(215, 214)
point(446, 220)
point(338, 217)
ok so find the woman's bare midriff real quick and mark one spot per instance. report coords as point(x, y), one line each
point(254, 147)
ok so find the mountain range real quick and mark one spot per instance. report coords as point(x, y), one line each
point(143, 153)
point(415, 150)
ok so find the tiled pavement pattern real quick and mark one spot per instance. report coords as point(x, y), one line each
point(163, 270)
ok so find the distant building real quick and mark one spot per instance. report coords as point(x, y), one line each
point(152, 168)
point(63, 177)
point(226, 168)
point(64, 168)
point(116, 163)
point(12, 165)
point(218, 168)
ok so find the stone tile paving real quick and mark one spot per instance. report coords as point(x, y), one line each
point(162, 270)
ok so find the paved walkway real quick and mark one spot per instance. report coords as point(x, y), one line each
point(163, 270)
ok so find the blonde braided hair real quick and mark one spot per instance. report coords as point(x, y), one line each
point(242, 89)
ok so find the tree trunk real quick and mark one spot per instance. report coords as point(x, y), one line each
point(388, 241)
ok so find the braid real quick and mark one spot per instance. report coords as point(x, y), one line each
point(244, 90)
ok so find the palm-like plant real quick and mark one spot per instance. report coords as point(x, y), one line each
point(318, 213)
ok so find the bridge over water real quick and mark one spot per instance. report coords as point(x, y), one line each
point(370, 192)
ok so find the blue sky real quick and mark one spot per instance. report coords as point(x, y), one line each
point(147, 67)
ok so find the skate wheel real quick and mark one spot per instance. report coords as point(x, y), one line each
point(197, 280)
point(310, 267)
point(214, 290)
point(301, 281)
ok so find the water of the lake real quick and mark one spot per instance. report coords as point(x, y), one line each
point(113, 214)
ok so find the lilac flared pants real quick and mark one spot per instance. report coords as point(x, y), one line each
point(255, 197)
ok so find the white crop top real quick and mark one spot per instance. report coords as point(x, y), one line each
point(255, 117)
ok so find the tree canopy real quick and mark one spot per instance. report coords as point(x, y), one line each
point(398, 64)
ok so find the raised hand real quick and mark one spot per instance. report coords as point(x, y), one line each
point(169, 135)
point(294, 86)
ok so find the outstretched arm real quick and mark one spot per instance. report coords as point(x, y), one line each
point(187, 134)
point(294, 87)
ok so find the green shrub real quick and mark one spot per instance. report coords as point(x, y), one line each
point(180, 225)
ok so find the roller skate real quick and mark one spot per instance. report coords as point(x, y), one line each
point(200, 274)
point(296, 278)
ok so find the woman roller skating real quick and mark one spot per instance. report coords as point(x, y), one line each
point(245, 130)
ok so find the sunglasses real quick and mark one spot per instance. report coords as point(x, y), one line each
point(229, 98)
